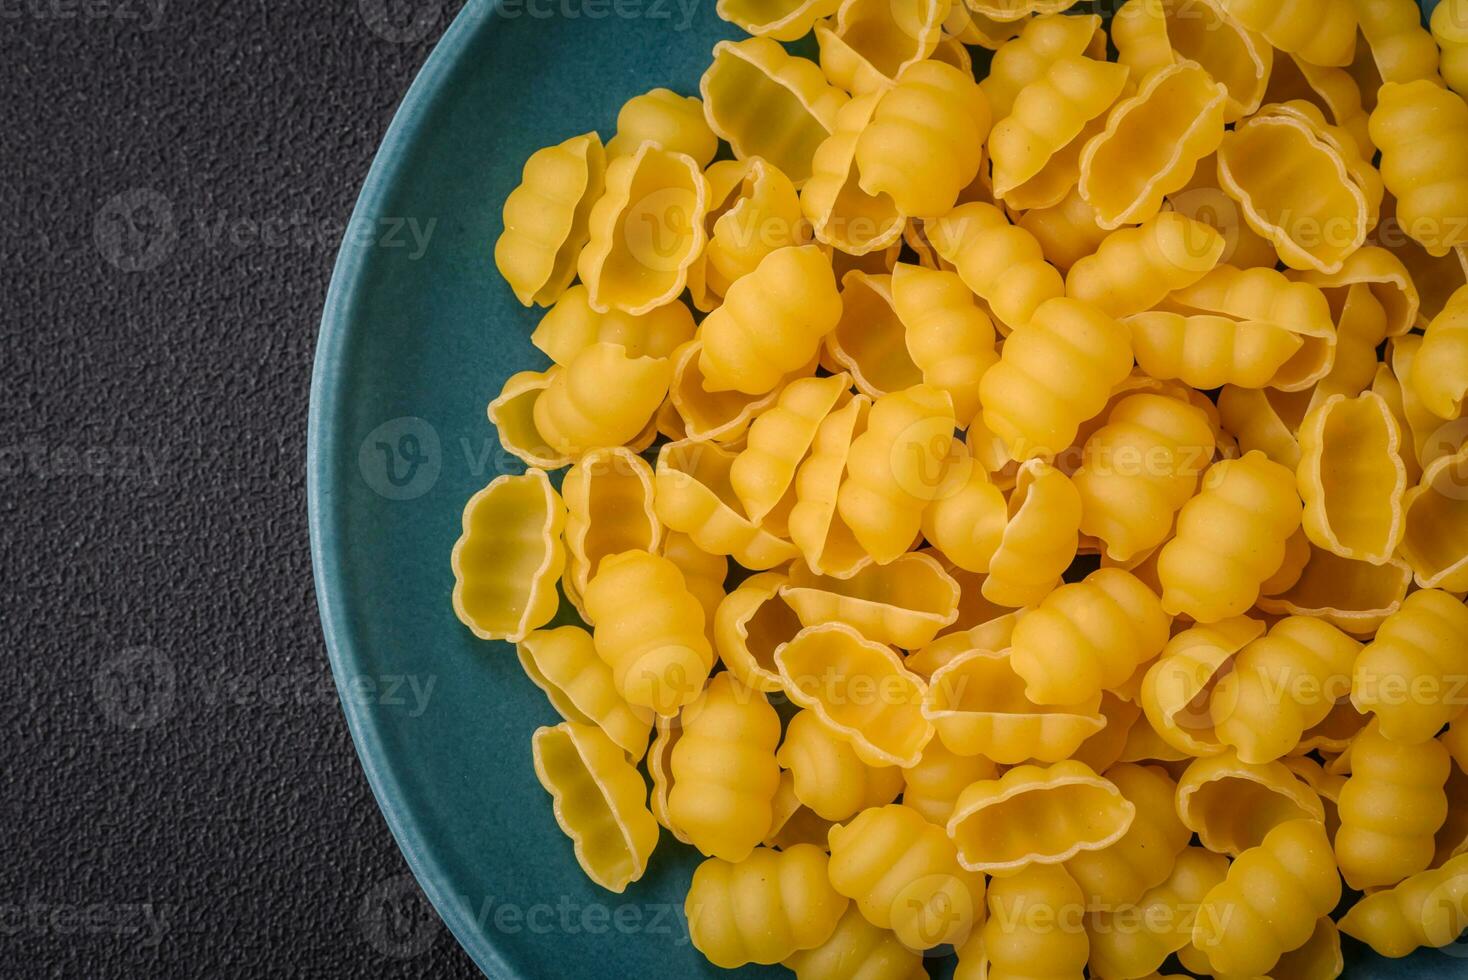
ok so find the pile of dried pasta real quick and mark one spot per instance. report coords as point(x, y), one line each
point(1047, 538)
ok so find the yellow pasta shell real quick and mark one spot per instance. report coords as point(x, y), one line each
point(829, 777)
point(1001, 263)
point(1390, 808)
point(1401, 47)
point(1422, 131)
point(608, 495)
point(694, 495)
point(1040, 539)
point(1435, 540)
point(755, 211)
point(751, 622)
point(904, 603)
point(546, 216)
point(843, 214)
point(871, 42)
point(563, 663)
point(1439, 373)
point(1351, 478)
point(1233, 806)
point(870, 341)
point(1136, 940)
point(574, 415)
point(1133, 269)
point(932, 786)
point(1449, 26)
point(1152, 34)
point(949, 338)
point(1322, 32)
point(1034, 928)
point(1423, 910)
point(1066, 232)
point(782, 20)
point(1144, 857)
point(826, 544)
point(1411, 676)
point(512, 413)
point(1190, 665)
point(571, 326)
point(1355, 596)
point(858, 950)
point(675, 122)
point(778, 441)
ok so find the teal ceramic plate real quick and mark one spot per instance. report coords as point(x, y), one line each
point(419, 334)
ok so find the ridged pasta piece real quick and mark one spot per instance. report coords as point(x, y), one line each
point(1143, 744)
point(1282, 685)
point(1133, 941)
point(1152, 143)
point(1322, 32)
point(724, 770)
point(1139, 469)
point(1230, 539)
point(1351, 478)
point(1205, 202)
point(778, 440)
point(599, 800)
point(1439, 375)
point(545, 218)
point(1054, 373)
point(894, 468)
point(1135, 268)
point(1088, 636)
point(903, 874)
point(841, 212)
point(1401, 47)
point(925, 139)
point(666, 733)
point(645, 231)
point(829, 776)
point(819, 668)
point(826, 543)
point(1152, 34)
point(608, 495)
point(563, 663)
point(1263, 420)
point(1449, 26)
point(694, 495)
point(1384, 274)
point(574, 414)
point(994, 634)
point(1435, 540)
point(933, 785)
point(703, 573)
point(1040, 815)
point(1175, 689)
point(870, 340)
point(1390, 808)
point(1034, 929)
point(904, 603)
point(780, 20)
point(871, 42)
point(1413, 417)
point(720, 416)
point(750, 623)
point(650, 630)
point(1428, 909)
point(571, 325)
point(794, 823)
point(977, 705)
point(1002, 264)
point(1143, 858)
point(1048, 113)
point(1232, 806)
point(509, 556)
point(1411, 676)
point(764, 908)
point(1209, 351)
point(755, 210)
point(1040, 537)
point(1296, 188)
point(967, 524)
point(770, 104)
point(1067, 232)
point(770, 323)
point(1422, 131)
point(949, 338)
point(858, 950)
point(1355, 596)
point(674, 122)
point(1270, 900)
point(512, 413)
point(1042, 41)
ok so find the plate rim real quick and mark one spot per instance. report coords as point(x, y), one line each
point(328, 380)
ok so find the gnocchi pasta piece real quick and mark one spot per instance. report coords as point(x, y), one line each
point(1134, 269)
point(932, 786)
point(828, 775)
point(858, 950)
point(1189, 667)
point(749, 624)
point(755, 211)
point(1422, 131)
point(1153, 34)
point(1144, 857)
point(1042, 41)
point(903, 874)
point(1281, 686)
point(1390, 807)
point(1088, 636)
point(724, 770)
point(650, 630)
point(563, 663)
point(599, 800)
point(1161, 921)
point(574, 413)
point(925, 139)
point(1355, 596)
point(771, 322)
point(1449, 26)
point(1427, 909)
point(1294, 859)
point(967, 525)
point(977, 705)
point(1152, 143)
point(1391, 284)
point(1037, 815)
point(509, 556)
point(764, 908)
point(1066, 232)
point(827, 545)
point(546, 218)
point(718, 416)
point(769, 104)
point(1054, 373)
point(1402, 48)
point(1230, 539)
point(1040, 538)
point(870, 340)
point(779, 439)
point(832, 669)
point(608, 495)
point(1205, 350)
point(871, 42)
point(571, 325)
point(1233, 806)
point(674, 122)
point(1001, 263)
point(1322, 32)
point(842, 213)
point(904, 603)
point(949, 338)
point(780, 20)
point(1263, 420)
point(703, 573)
point(894, 468)
point(1351, 477)
point(1410, 675)
point(694, 495)
point(1439, 375)
point(1033, 929)
point(1435, 541)
point(512, 413)
point(1139, 469)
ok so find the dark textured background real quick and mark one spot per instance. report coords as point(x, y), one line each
point(180, 795)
